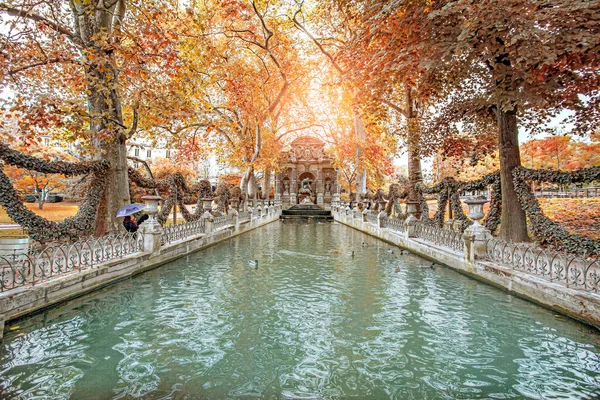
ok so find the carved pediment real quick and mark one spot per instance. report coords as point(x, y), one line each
point(307, 148)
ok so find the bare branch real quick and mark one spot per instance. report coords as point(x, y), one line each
point(17, 12)
point(39, 64)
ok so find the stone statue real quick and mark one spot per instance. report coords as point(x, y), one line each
point(306, 182)
point(328, 186)
point(286, 187)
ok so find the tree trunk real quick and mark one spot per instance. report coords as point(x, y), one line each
point(252, 186)
point(513, 225)
point(267, 185)
point(97, 26)
point(361, 174)
point(106, 124)
point(415, 175)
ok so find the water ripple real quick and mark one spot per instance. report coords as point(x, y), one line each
point(311, 322)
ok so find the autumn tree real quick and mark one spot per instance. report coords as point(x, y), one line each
point(488, 62)
point(40, 184)
point(73, 64)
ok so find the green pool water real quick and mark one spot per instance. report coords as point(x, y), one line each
point(310, 322)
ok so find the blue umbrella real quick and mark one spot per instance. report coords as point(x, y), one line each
point(129, 209)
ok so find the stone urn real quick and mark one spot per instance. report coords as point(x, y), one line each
point(411, 208)
point(475, 210)
point(207, 204)
point(151, 207)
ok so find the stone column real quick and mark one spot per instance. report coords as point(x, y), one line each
point(320, 180)
point(320, 186)
point(293, 186)
point(334, 183)
point(277, 187)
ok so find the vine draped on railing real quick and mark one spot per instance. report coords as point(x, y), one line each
point(449, 189)
point(546, 231)
point(39, 228)
point(178, 188)
point(393, 207)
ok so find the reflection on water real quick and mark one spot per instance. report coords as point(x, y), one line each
point(310, 322)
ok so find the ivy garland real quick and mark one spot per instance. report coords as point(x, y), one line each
point(222, 196)
point(492, 219)
point(39, 228)
point(178, 188)
point(546, 231)
point(449, 189)
point(395, 194)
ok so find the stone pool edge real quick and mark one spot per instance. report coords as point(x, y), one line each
point(577, 304)
point(24, 301)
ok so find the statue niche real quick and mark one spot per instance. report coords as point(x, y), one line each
point(286, 186)
point(306, 192)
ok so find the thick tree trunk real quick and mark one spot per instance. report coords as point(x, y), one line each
point(415, 175)
point(361, 174)
point(267, 185)
point(106, 126)
point(513, 225)
point(252, 186)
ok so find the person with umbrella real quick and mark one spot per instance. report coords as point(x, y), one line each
point(130, 224)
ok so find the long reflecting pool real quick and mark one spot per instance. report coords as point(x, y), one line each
point(311, 322)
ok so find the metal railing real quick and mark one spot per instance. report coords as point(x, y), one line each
point(569, 193)
point(173, 233)
point(29, 269)
point(439, 236)
point(576, 272)
point(244, 216)
point(396, 225)
point(372, 218)
point(222, 222)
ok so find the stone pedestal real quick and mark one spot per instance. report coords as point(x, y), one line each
point(320, 199)
point(476, 238)
point(151, 230)
point(293, 200)
point(381, 217)
point(410, 226)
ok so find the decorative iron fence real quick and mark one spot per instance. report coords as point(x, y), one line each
point(173, 233)
point(29, 269)
point(396, 225)
point(244, 216)
point(440, 236)
point(576, 272)
point(222, 222)
point(372, 218)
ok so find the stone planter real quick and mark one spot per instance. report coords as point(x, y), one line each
point(14, 247)
point(411, 208)
point(207, 204)
point(151, 207)
point(475, 210)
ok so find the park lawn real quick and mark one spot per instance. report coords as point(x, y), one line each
point(579, 216)
point(51, 211)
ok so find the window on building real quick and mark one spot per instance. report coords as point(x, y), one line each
point(148, 153)
point(168, 154)
point(46, 141)
point(136, 152)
